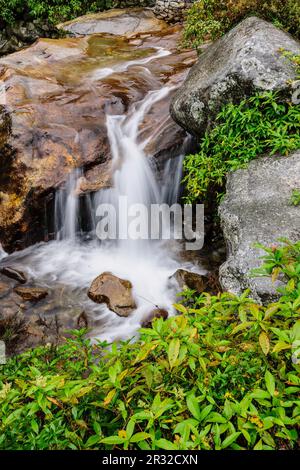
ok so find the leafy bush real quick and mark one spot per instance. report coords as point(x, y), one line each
point(53, 10)
point(222, 375)
point(209, 19)
point(264, 123)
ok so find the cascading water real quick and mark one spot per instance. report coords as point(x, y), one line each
point(73, 262)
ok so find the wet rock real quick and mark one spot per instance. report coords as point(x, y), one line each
point(192, 280)
point(31, 294)
point(82, 320)
point(4, 289)
point(15, 274)
point(247, 59)
point(125, 22)
point(115, 292)
point(157, 313)
point(59, 86)
point(257, 209)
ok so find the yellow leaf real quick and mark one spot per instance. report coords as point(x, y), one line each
point(122, 433)
point(264, 343)
point(55, 402)
point(109, 397)
point(280, 346)
point(275, 274)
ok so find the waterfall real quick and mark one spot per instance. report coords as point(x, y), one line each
point(68, 265)
point(134, 177)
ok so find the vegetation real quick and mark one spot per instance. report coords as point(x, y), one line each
point(209, 19)
point(262, 124)
point(224, 374)
point(52, 10)
point(295, 198)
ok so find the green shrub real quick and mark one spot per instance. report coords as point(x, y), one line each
point(262, 124)
point(53, 10)
point(209, 19)
point(224, 374)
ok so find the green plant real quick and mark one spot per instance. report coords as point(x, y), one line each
point(52, 10)
point(295, 198)
point(264, 123)
point(224, 374)
point(209, 19)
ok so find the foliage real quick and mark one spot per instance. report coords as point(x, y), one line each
point(224, 374)
point(264, 123)
point(209, 19)
point(295, 198)
point(53, 10)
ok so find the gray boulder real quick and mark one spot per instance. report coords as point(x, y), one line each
point(257, 208)
point(247, 59)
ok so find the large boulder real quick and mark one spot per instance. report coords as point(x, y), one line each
point(116, 293)
point(247, 59)
point(257, 208)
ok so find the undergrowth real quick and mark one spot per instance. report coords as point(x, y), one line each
point(223, 374)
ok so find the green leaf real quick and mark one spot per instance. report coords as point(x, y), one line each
point(113, 440)
point(140, 436)
point(193, 406)
point(95, 439)
point(270, 383)
point(230, 440)
point(165, 444)
point(173, 351)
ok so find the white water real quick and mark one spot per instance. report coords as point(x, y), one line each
point(69, 261)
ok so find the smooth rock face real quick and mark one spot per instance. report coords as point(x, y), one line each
point(31, 294)
point(245, 60)
point(120, 22)
point(115, 292)
point(257, 209)
point(58, 93)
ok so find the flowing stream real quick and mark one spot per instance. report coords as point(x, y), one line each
point(74, 260)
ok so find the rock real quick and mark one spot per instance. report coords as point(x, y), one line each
point(257, 209)
point(115, 292)
point(4, 289)
point(245, 60)
point(15, 274)
point(122, 22)
point(58, 85)
point(194, 281)
point(157, 313)
point(31, 294)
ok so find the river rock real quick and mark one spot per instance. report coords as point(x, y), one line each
point(15, 274)
point(4, 289)
point(247, 59)
point(257, 208)
point(31, 294)
point(122, 22)
point(54, 119)
point(116, 293)
point(156, 313)
point(192, 280)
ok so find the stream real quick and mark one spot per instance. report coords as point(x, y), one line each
point(67, 265)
